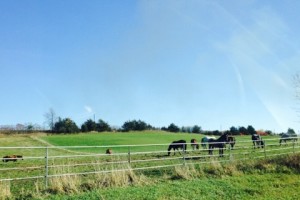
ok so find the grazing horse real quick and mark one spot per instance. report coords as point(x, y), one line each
point(231, 141)
point(194, 144)
point(204, 141)
point(108, 151)
point(12, 158)
point(285, 137)
point(218, 143)
point(257, 141)
point(176, 145)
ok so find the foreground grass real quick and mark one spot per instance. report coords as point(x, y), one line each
point(276, 178)
point(267, 186)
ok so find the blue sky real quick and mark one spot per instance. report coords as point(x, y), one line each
point(210, 63)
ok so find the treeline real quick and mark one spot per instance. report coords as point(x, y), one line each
point(67, 125)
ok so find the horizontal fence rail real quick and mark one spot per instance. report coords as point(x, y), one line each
point(56, 161)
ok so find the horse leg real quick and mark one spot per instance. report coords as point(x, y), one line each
point(210, 150)
point(221, 152)
point(177, 150)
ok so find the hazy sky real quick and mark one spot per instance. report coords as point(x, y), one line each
point(210, 63)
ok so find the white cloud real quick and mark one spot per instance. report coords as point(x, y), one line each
point(88, 109)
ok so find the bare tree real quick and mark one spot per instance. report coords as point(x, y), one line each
point(50, 117)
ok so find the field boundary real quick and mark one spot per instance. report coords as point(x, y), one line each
point(134, 160)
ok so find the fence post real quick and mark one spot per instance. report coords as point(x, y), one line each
point(129, 158)
point(183, 153)
point(46, 168)
point(230, 156)
point(265, 146)
point(294, 146)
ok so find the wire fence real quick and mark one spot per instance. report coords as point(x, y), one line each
point(25, 163)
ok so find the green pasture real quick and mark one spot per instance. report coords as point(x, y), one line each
point(61, 157)
point(249, 186)
point(151, 145)
point(135, 138)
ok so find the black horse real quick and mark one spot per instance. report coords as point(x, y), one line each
point(231, 141)
point(218, 143)
point(285, 137)
point(176, 145)
point(12, 158)
point(194, 144)
point(257, 141)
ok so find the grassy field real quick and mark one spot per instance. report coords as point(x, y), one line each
point(135, 138)
point(133, 181)
point(267, 186)
point(147, 137)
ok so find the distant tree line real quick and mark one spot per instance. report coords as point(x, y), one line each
point(67, 125)
point(136, 125)
point(185, 129)
point(60, 125)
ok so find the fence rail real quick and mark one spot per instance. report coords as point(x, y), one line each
point(55, 161)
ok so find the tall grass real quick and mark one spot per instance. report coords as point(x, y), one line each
point(79, 184)
point(5, 190)
point(104, 177)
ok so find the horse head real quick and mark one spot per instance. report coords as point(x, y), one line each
point(224, 138)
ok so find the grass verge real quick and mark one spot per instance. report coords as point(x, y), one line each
point(271, 178)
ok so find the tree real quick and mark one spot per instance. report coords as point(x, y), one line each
point(216, 132)
point(243, 130)
point(50, 117)
point(268, 132)
point(173, 128)
point(233, 130)
point(164, 128)
point(88, 126)
point(136, 126)
point(291, 132)
point(103, 126)
point(65, 126)
point(29, 127)
point(251, 130)
point(196, 129)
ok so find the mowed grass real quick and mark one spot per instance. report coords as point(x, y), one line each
point(129, 138)
point(163, 139)
point(135, 138)
point(117, 138)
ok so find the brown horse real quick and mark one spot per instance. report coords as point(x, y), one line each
point(194, 144)
point(108, 151)
point(12, 158)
